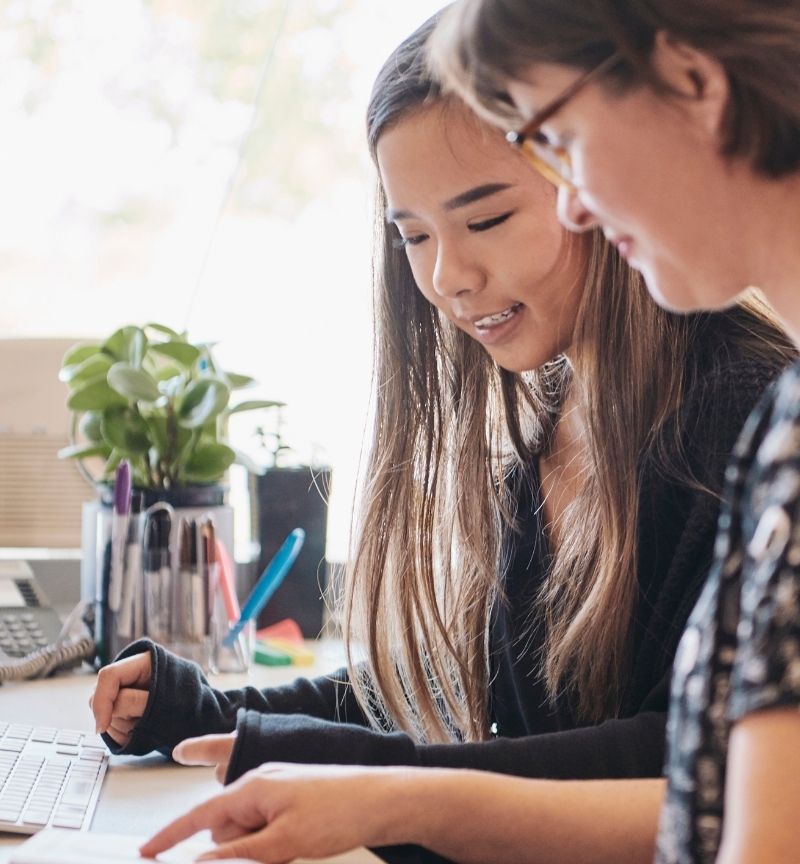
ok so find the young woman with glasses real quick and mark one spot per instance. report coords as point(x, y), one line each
point(538, 414)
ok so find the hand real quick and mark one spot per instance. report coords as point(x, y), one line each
point(278, 812)
point(207, 750)
point(120, 697)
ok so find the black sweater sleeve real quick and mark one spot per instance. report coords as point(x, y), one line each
point(616, 748)
point(182, 704)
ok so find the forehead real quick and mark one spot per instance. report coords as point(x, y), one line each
point(440, 150)
point(538, 85)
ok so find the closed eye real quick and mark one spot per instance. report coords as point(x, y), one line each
point(412, 240)
point(490, 223)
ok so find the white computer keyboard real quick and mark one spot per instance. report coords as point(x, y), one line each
point(48, 777)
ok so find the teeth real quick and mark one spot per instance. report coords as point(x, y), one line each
point(498, 318)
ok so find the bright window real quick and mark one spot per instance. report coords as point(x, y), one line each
point(140, 183)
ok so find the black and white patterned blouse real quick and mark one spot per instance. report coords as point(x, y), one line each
point(741, 648)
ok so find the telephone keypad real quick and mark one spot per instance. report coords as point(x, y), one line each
point(21, 634)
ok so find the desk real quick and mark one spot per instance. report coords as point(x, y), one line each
point(140, 794)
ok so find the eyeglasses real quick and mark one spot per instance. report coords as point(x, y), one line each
point(551, 161)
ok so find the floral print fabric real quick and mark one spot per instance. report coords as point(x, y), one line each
point(741, 648)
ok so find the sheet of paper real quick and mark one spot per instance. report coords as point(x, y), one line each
point(56, 846)
point(60, 846)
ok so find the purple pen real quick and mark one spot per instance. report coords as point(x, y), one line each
point(119, 532)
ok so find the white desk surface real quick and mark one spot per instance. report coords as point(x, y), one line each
point(140, 794)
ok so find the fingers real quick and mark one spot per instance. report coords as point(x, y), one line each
point(224, 813)
point(184, 826)
point(126, 713)
point(120, 730)
point(133, 672)
point(205, 750)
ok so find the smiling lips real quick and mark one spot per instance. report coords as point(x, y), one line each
point(489, 321)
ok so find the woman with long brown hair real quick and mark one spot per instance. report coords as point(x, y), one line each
point(541, 495)
point(674, 125)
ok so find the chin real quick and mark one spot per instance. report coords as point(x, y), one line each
point(521, 363)
point(671, 292)
point(684, 294)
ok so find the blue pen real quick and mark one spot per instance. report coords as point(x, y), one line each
point(268, 582)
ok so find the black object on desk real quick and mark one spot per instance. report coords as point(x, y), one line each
point(284, 499)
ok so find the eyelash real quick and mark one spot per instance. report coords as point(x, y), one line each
point(416, 239)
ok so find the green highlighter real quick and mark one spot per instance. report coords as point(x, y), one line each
point(267, 655)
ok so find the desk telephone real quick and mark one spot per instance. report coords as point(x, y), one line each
point(33, 641)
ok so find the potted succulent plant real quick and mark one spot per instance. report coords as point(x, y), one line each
point(149, 395)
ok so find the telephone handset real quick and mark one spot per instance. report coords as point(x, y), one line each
point(33, 641)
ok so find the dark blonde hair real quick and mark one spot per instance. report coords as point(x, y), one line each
point(481, 44)
point(450, 428)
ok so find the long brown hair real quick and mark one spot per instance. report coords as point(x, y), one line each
point(481, 44)
point(450, 426)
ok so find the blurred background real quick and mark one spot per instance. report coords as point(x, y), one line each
point(202, 164)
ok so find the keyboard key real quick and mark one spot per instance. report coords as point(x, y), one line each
point(18, 730)
point(67, 821)
point(77, 792)
point(12, 744)
point(36, 817)
point(91, 755)
point(44, 734)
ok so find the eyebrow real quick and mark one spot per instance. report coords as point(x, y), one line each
point(461, 200)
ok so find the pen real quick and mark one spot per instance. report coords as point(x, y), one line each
point(226, 583)
point(119, 532)
point(274, 573)
point(208, 548)
point(191, 601)
point(157, 571)
point(130, 621)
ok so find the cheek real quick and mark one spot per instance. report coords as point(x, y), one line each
point(422, 271)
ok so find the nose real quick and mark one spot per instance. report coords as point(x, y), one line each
point(572, 212)
point(456, 272)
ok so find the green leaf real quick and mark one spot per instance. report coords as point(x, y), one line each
point(94, 366)
point(133, 383)
point(125, 429)
point(183, 352)
point(80, 352)
point(111, 465)
point(253, 405)
point(84, 451)
point(166, 331)
point(91, 426)
point(95, 396)
point(208, 463)
point(203, 400)
point(167, 371)
point(173, 387)
point(157, 424)
point(237, 381)
point(127, 345)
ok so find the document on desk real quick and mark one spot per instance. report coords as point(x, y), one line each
point(59, 846)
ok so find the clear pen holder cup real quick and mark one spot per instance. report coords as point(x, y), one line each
point(143, 589)
point(239, 656)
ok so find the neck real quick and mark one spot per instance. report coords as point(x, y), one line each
point(775, 261)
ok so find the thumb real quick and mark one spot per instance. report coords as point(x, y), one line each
point(205, 750)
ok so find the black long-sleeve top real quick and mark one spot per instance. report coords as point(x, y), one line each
point(320, 721)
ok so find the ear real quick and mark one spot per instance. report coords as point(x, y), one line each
point(694, 75)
